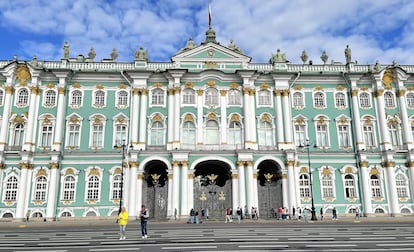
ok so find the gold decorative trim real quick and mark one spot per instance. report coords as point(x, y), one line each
point(211, 83)
point(23, 74)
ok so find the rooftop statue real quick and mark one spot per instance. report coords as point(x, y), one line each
point(234, 47)
point(304, 57)
point(278, 57)
point(348, 54)
point(91, 54)
point(114, 54)
point(141, 54)
point(66, 50)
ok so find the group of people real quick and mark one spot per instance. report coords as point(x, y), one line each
point(123, 221)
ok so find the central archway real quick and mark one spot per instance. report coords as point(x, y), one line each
point(269, 186)
point(212, 188)
point(155, 189)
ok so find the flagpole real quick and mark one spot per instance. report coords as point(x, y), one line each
point(209, 14)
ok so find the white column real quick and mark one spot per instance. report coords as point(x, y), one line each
point(383, 128)
point(247, 116)
point(134, 117)
point(6, 116)
point(176, 126)
point(30, 126)
point(356, 120)
point(184, 189)
point(366, 188)
point(392, 189)
point(285, 191)
point(408, 137)
point(252, 120)
point(249, 185)
point(223, 115)
point(297, 199)
point(176, 184)
point(170, 207)
point(235, 191)
point(411, 177)
point(171, 120)
point(291, 184)
point(255, 192)
point(60, 116)
point(279, 121)
point(138, 200)
point(143, 120)
point(132, 207)
point(287, 119)
point(22, 190)
point(190, 186)
point(200, 117)
point(242, 184)
point(52, 194)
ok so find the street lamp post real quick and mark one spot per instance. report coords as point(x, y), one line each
point(313, 212)
point(121, 193)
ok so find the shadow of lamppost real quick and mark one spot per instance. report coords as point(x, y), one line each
point(268, 182)
point(156, 182)
point(307, 147)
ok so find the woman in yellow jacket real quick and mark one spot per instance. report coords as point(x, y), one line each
point(123, 221)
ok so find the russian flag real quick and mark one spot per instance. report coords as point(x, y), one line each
point(209, 13)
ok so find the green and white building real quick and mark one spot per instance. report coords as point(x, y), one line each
point(208, 130)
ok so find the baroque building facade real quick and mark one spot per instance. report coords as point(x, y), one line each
point(209, 130)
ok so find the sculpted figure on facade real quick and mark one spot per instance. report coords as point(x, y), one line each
point(348, 54)
point(66, 50)
point(91, 54)
point(234, 47)
point(278, 57)
point(141, 54)
point(114, 54)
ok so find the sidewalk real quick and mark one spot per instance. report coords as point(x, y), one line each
point(108, 221)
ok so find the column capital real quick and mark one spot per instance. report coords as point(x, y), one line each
point(54, 165)
point(364, 163)
point(388, 164)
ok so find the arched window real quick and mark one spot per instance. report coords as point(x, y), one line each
point(10, 192)
point(364, 100)
point(1, 97)
point(340, 101)
point(122, 98)
point(212, 132)
point(234, 97)
point(76, 98)
point(300, 133)
point(235, 133)
point(319, 100)
point(350, 190)
point(369, 135)
point(18, 135)
point(327, 186)
point(376, 191)
point(395, 133)
point(389, 100)
point(189, 133)
point(211, 97)
point(50, 98)
point(116, 186)
point(402, 186)
point(22, 97)
point(69, 186)
point(99, 98)
point(157, 97)
point(265, 97)
point(40, 188)
point(188, 96)
point(93, 186)
point(298, 100)
point(157, 133)
point(265, 133)
point(410, 100)
point(304, 186)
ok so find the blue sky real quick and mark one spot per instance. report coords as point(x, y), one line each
point(374, 29)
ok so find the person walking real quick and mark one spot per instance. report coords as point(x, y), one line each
point(239, 214)
point(305, 215)
point(122, 222)
point(144, 221)
point(321, 212)
point(334, 216)
point(357, 213)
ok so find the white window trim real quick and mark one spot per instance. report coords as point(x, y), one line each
point(34, 178)
point(298, 107)
point(189, 104)
point(68, 122)
point(63, 175)
point(369, 100)
point(22, 105)
point(164, 104)
point(228, 98)
point(345, 100)
point(76, 106)
point(94, 104)
point(270, 105)
point(87, 176)
point(44, 98)
point(115, 119)
point(91, 124)
point(119, 106)
point(332, 173)
point(354, 172)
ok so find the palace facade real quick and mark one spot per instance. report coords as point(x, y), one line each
point(209, 130)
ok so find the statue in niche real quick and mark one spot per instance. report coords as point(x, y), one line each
point(114, 54)
point(141, 54)
point(348, 54)
point(66, 50)
point(278, 57)
point(91, 54)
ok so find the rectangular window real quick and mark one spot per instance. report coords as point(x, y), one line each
point(46, 140)
point(97, 135)
point(369, 135)
point(300, 136)
point(120, 134)
point(73, 140)
point(322, 136)
point(343, 134)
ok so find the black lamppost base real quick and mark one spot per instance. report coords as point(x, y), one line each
point(313, 212)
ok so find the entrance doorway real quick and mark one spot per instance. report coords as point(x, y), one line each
point(155, 189)
point(269, 186)
point(212, 189)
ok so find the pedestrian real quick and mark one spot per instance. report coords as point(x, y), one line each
point(175, 213)
point(192, 213)
point(144, 221)
point(305, 214)
point(280, 212)
point(227, 215)
point(239, 214)
point(122, 222)
point(321, 212)
point(299, 214)
point(334, 217)
point(293, 213)
point(27, 215)
point(357, 213)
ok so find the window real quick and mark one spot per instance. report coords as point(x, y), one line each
point(120, 134)
point(97, 135)
point(46, 135)
point(76, 98)
point(18, 134)
point(40, 188)
point(298, 100)
point(389, 100)
point(300, 134)
point(211, 97)
point(265, 133)
point(122, 98)
point(304, 186)
point(343, 136)
point(69, 186)
point(116, 186)
point(410, 100)
point(395, 134)
point(264, 97)
point(1, 97)
point(10, 192)
point(322, 135)
point(340, 101)
point(189, 133)
point(402, 186)
point(157, 97)
point(234, 97)
point(235, 133)
point(99, 99)
point(364, 100)
point(327, 186)
point(93, 186)
point(22, 97)
point(319, 100)
point(375, 187)
point(212, 132)
point(157, 133)
point(188, 96)
point(73, 135)
point(50, 98)
point(369, 135)
point(350, 190)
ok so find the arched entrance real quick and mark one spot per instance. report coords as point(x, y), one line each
point(155, 189)
point(212, 188)
point(269, 186)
